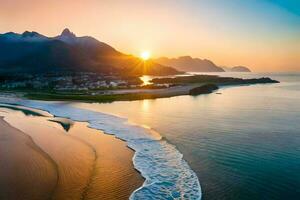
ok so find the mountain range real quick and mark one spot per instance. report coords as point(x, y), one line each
point(189, 64)
point(32, 52)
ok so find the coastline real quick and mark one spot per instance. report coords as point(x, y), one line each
point(169, 176)
point(119, 95)
point(89, 164)
point(178, 86)
point(20, 159)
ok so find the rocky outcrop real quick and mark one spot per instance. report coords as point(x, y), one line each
point(204, 89)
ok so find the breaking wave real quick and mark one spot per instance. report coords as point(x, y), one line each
point(167, 174)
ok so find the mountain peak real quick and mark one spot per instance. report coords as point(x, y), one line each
point(67, 33)
point(30, 34)
point(10, 33)
point(185, 57)
point(27, 36)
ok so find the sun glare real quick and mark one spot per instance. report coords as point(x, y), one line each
point(145, 55)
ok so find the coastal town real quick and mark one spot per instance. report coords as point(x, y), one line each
point(68, 82)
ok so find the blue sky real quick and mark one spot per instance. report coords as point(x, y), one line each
point(292, 6)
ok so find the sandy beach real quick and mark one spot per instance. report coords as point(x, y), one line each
point(26, 171)
point(40, 159)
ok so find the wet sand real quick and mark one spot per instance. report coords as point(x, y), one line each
point(84, 163)
point(26, 171)
point(114, 176)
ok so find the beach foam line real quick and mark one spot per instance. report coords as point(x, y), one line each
point(167, 174)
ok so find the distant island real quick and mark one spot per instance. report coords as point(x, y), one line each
point(237, 69)
point(32, 52)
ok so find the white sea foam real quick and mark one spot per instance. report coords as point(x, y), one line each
point(167, 175)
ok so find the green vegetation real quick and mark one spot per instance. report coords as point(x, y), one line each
point(211, 79)
point(93, 98)
point(204, 89)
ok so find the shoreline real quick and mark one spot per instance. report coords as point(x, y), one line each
point(141, 191)
point(112, 174)
point(20, 151)
point(163, 180)
point(178, 86)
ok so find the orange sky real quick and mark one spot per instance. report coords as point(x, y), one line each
point(261, 35)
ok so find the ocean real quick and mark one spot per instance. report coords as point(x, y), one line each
point(241, 142)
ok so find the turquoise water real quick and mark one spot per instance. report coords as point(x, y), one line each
point(243, 143)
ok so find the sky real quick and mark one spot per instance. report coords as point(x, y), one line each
point(261, 34)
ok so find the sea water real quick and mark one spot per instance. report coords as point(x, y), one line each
point(167, 175)
point(242, 143)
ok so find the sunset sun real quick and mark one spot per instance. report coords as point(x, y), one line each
point(145, 55)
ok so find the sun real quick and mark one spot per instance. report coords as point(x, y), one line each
point(145, 55)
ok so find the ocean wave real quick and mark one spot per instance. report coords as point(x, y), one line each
point(167, 174)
